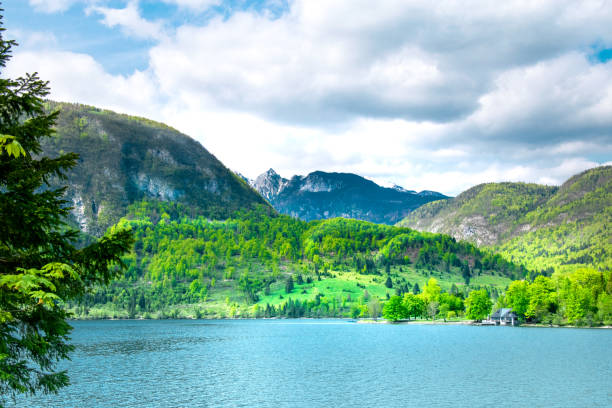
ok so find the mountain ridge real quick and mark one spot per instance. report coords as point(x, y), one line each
point(124, 159)
point(546, 227)
point(324, 195)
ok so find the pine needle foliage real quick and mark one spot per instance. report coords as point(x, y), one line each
point(40, 266)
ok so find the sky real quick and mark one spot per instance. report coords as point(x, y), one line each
point(428, 95)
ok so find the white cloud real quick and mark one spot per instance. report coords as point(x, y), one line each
point(324, 63)
point(430, 97)
point(58, 6)
point(52, 6)
point(196, 5)
point(284, 70)
point(575, 147)
point(33, 39)
point(87, 82)
point(553, 99)
point(130, 21)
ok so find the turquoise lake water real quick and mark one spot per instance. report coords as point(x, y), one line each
point(332, 363)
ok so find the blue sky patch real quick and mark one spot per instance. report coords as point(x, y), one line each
point(604, 55)
point(599, 53)
point(78, 31)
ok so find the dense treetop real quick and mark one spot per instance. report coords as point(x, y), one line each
point(179, 259)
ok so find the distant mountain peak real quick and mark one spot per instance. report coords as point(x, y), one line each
point(243, 177)
point(429, 193)
point(320, 195)
point(269, 184)
point(402, 189)
point(271, 172)
point(319, 181)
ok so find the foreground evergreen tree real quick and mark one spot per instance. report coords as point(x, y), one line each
point(40, 267)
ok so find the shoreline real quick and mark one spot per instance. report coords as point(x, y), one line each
point(367, 321)
point(423, 322)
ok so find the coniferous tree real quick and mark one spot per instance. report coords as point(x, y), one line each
point(40, 266)
point(289, 284)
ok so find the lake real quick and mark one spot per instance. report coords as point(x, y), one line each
point(332, 363)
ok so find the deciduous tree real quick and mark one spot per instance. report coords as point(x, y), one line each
point(431, 290)
point(394, 309)
point(415, 306)
point(478, 304)
point(517, 297)
point(374, 308)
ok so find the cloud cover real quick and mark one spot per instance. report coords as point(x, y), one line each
point(427, 95)
point(128, 19)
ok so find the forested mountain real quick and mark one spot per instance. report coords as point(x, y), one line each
point(125, 159)
point(257, 265)
point(255, 261)
point(485, 215)
point(208, 244)
point(545, 227)
point(321, 195)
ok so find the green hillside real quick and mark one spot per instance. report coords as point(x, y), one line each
point(125, 159)
point(193, 266)
point(485, 215)
point(208, 245)
point(571, 230)
point(545, 228)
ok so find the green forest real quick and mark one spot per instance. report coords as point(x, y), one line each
point(582, 298)
point(207, 245)
point(572, 230)
point(563, 229)
point(261, 264)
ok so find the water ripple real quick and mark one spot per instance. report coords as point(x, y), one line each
point(158, 364)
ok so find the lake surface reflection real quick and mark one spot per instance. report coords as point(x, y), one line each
point(332, 363)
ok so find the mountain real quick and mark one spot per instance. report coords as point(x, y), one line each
point(125, 159)
point(571, 230)
point(321, 195)
point(247, 264)
point(269, 185)
point(563, 228)
point(486, 214)
point(402, 189)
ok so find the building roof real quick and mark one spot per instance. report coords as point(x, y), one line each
point(503, 313)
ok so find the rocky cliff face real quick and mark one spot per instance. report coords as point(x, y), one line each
point(269, 184)
point(321, 195)
point(125, 159)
